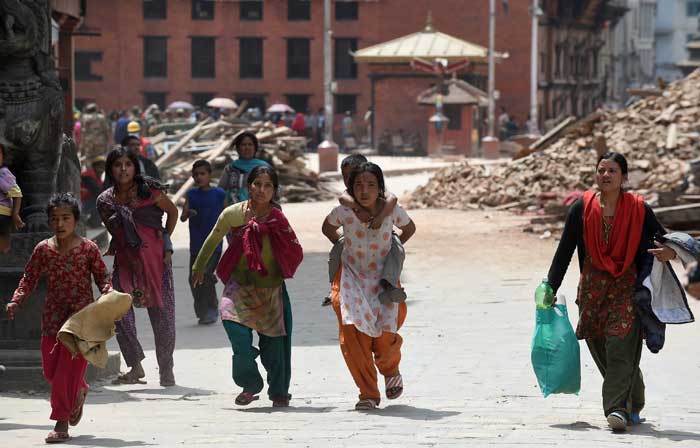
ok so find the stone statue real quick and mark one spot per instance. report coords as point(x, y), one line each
point(31, 105)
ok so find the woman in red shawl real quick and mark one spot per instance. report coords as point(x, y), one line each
point(263, 251)
point(613, 232)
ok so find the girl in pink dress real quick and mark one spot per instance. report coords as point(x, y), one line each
point(132, 210)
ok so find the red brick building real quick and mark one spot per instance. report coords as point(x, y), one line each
point(159, 51)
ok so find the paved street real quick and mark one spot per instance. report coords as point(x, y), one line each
point(468, 379)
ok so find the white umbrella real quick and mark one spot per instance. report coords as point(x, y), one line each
point(180, 105)
point(222, 103)
point(280, 109)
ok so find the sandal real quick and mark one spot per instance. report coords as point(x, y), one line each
point(367, 404)
point(280, 401)
point(245, 398)
point(57, 437)
point(77, 413)
point(129, 378)
point(394, 386)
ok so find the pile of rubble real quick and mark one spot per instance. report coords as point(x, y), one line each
point(213, 141)
point(659, 134)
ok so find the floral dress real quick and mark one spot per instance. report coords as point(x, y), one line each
point(605, 302)
point(68, 281)
point(363, 258)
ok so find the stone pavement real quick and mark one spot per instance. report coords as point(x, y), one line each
point(470, 278)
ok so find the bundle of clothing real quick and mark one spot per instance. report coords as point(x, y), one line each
point(87, 331)
point(660, 298)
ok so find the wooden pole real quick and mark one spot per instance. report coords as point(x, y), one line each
point(182, 143)
point(217, 152)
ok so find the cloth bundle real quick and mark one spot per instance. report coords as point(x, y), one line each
point(87, 331)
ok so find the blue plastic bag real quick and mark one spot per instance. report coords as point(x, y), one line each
point(556, 357)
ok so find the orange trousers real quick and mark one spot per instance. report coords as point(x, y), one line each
point(362, 352)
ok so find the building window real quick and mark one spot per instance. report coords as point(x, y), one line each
point(254, 100)
point(454, 113)
point(346, 10)
point(203, 9)
point(298, 58)
point(155, 9)
point(158, 98)
point(155, 57)
point(200, 99)
point(251, 57)
point(251, 10)
point(298, 102)
point(344, 63)
point(692, 8)
point(203, 57)
point(345, 103)
point(83, 65)
point(298, 9)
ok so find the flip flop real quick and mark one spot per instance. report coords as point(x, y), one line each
point(367, 404)
point(57, 437)
point(245, 398)
point(394, 386)
point(128, 378)
point(77, 413)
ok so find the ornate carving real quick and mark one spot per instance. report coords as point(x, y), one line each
point(31, 104)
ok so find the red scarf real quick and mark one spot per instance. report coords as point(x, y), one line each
point(248, 239)
point(619, 253)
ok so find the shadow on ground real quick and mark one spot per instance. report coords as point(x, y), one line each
point(20, 427)
point(289, 410)
point(644, 429)
point(88, 440)
point(412, 413)
point(120, 394)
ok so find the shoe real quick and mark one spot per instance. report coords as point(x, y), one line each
point(326, 301)
point(617, 421)
point(280, 401)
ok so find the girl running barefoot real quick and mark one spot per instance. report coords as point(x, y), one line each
point(68, 261)
point(368, 328)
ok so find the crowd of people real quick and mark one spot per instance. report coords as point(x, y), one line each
point(262, 253)
point(614, 232)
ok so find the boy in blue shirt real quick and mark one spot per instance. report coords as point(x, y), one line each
point(203, 205)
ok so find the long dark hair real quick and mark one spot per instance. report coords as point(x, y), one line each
point(265, 169)
point(239, 139)
point(143, 183)
point(367, 167)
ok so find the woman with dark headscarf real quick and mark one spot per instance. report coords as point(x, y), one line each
point(234, 178)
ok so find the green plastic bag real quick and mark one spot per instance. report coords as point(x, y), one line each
point(556, 357)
